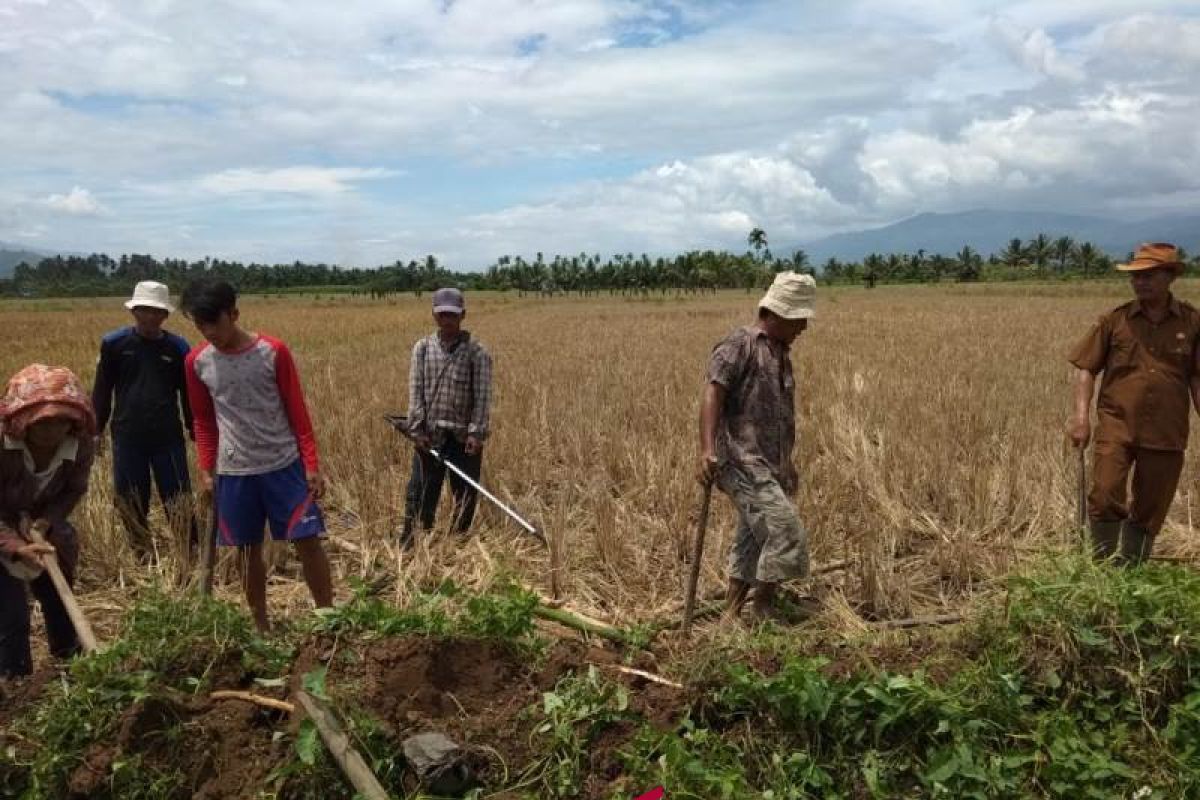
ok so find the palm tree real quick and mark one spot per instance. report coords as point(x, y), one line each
point(969, 264)
point(1014, 255)
point(1039, 250)
point(872, 266)
point(1062, 248)
point(800, 261)
point(757, 240)
point(1087, 258)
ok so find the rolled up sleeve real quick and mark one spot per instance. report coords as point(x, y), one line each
point(1091, 352)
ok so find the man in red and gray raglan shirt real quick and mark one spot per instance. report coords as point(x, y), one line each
point(253, 433)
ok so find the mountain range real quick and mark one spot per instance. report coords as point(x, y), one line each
point(985, 231)
point(13, 254)
point(989, 232)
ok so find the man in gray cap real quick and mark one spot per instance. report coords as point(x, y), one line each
point(747, 432)
point(449, 406)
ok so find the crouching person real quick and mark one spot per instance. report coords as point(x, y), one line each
point(47, 428)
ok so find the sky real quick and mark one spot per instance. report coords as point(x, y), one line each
point(361, 133)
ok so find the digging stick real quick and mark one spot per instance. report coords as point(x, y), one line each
point(400, 423)
point(208, 548)
point(87, 637)
point(1081, 492)
point(340, 747)
point(689, 603)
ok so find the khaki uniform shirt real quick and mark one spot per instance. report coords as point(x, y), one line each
point(757, 426)
point(1144, 395)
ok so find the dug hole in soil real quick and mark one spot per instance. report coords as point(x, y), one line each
point(477, 692)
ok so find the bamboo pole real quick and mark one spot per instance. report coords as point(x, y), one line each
point(343, 752)
point(579, 623)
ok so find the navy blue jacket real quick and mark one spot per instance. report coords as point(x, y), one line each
point(146, 375)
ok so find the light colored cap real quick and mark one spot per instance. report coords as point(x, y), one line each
point(449, 301)
point(151, 294)
point(792, 296)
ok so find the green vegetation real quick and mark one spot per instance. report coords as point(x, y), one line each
point(1081, 684)
point(584, 273)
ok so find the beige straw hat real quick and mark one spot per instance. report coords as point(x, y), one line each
point(791, 296)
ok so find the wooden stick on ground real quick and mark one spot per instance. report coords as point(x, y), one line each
point(343, 752)
point(87, 637)
point(916, 622)
point(580, 623)
point(256, 699)
point(641, 673)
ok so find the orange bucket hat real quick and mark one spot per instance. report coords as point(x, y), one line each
point(1153, 256)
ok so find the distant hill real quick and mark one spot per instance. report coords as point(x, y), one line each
point(989, 231)
point(13, 254)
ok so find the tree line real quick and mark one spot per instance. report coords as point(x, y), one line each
point(1041, 257)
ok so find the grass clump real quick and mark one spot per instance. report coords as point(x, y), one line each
point(168, 645)
point(1083, 685)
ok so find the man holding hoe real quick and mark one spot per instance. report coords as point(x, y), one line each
point(1147, 352)
point(747, 432)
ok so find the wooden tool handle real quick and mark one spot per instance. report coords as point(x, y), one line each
point(83, 628)
point(697, 556)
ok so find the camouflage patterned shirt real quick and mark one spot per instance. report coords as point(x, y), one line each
point(758, 420)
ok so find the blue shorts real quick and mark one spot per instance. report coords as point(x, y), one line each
point(246, 503)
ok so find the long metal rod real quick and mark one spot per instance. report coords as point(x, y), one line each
point(474, 485)
point(400, 423)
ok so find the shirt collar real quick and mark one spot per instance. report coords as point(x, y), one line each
point(68, 450)
point(1173, 307)
point(464, 336)
point(759, 333)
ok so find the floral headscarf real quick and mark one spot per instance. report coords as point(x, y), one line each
point(40, 392)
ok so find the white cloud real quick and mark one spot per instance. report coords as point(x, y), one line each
point(1035, 50)
point(289, 180)
point(620, 124)
point(77, 202)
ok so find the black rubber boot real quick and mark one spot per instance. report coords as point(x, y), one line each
point(735, 597)
point(1105, 537)
point(762, 603)
point(1136, 544)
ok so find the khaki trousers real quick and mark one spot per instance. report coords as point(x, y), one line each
point(1155, 476)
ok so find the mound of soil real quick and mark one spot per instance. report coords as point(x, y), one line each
point(224, 749)
point(474, 691)
point(477, 691)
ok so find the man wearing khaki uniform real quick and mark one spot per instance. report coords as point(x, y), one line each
point(1147, 351)
point(747, 432)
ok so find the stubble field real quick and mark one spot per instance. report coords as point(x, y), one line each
point(930, 449)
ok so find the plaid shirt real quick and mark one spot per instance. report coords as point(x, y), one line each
point(450, 389)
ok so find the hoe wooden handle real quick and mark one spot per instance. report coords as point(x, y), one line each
point(87, 637)
point(689, 604)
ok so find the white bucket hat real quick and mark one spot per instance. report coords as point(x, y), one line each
point(151, 294)
point(791, 296)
